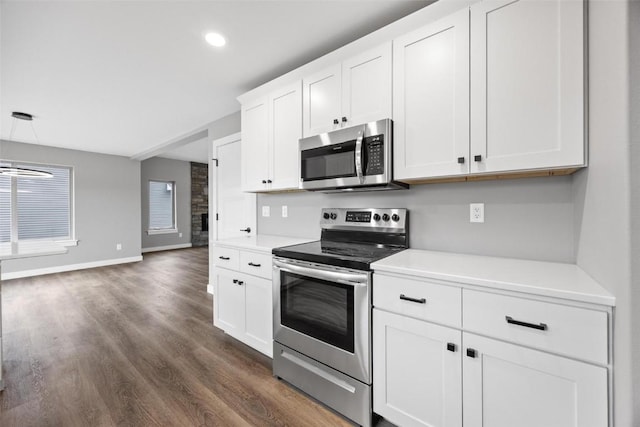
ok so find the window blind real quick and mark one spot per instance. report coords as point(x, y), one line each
point(44, 205)
point(5, 208)
point(161, 203)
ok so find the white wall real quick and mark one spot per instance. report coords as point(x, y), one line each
point(178, 171)
point(107, 205)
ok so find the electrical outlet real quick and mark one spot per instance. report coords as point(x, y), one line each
point(266, 211)
point(285, 212)
point(476, 212)
point(118, 246)
point(180, 235)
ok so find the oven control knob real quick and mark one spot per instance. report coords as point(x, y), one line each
point(333, 215)
point(326, 215)
point(395, 217)
point(385, 217)
point(376, 217)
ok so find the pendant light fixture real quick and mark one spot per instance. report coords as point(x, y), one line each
point(23, 172)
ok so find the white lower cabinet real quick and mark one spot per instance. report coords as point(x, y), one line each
point(508, 361)
point(507, 385)
point(243, 303)
point(417, 371)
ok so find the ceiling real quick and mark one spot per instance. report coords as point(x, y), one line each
point(123, 77)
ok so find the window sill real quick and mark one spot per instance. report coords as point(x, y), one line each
point(67, 243)
point(162, 231)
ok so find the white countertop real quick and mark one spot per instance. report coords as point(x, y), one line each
point(261, 242)
point(27, 249)
point(549, 279)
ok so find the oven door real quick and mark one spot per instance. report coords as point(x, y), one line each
point(324, 312)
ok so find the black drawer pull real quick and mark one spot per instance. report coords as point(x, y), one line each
point(477, 158)
point(419, 301)
point(235, 280)
point(240, 282)
point(472, 353)
point(254, 265)
point(540, 326)
point(225, 258)
point(451, 347)
point(460, 160)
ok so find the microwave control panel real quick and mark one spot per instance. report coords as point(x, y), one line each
point(374, 155)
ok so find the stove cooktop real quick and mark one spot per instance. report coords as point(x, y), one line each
point(357, 256)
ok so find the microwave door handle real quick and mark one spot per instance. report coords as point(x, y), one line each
point(359, 155)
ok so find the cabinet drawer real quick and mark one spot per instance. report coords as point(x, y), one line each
point(573, 331)
point(225, 257)
point(418, 298)
point(256, 264)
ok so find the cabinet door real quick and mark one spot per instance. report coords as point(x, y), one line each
point(366, 87)
point(254, 147)
point(506, 385)
point(321, 101)
point(431, 99)
point(527, 84)
point(259, 314)
point(229, 303)
point(285, 120)
point(417, 380)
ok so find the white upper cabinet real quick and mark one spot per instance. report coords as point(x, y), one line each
point(366, 87)
point(431, 99)
point(271, 128)
point(527, 85)
point(495, 88)
point(254, 148)
point(355, 91)
point(285, 121)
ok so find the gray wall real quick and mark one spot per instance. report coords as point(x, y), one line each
point(161, 169)
point(524, 218)
point(107, 205)
point(225, 126)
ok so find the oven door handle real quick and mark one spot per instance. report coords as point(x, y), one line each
point(352, 279)
point(358, 156)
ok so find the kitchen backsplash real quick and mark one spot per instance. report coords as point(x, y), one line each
point(524, 218)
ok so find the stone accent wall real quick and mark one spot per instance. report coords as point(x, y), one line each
point(199, 203)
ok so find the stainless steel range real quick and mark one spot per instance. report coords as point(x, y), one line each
point(322, 306)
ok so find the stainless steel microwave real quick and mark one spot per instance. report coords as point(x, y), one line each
point(358, 158)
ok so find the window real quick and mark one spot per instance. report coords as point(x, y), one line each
point(162, 207)
point(37, 208)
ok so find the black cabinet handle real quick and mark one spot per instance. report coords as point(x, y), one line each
point(419, 301)
point(461, 160)
point(246, 230)
point(477, 158)
point(254, 265)
point(235, 280)
point(264, 181)
point(539, 326)
point(226, 258)
point(451, 347)
point(471, 353)
point(269, 181)
point(240, 283)
point(335, 121)
point(344, 119)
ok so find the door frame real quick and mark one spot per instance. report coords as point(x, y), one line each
point(213, 199)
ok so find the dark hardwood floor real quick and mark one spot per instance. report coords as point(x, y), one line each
point(134, 345)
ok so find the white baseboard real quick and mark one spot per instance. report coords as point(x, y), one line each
point(210, 289)
point(166, 248)
point(69, 267)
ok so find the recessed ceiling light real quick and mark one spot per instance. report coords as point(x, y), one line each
point(215, 39)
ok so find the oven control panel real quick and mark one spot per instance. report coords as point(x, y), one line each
point(374, 219)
